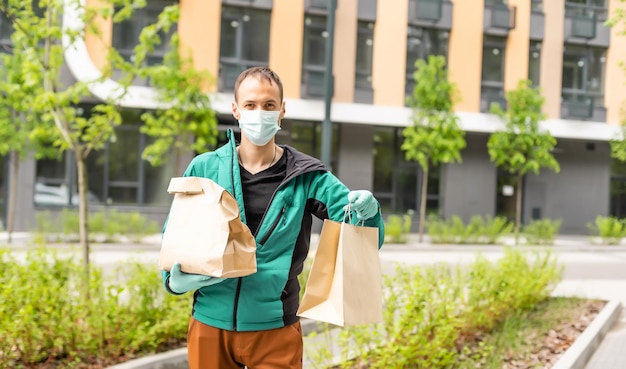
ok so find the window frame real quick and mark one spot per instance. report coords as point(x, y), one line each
point(140, 17)
point(238, 62)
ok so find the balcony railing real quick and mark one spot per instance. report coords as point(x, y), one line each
point(580, 104)
point(491, 94)
point(502, 16)
point(319, 4)
point(584, 25)
point(583, 10)
point(430, 10)
point(313, 81)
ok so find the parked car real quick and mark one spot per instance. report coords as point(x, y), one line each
point(47, 195)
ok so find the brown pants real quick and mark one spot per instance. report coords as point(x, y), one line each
point(213, 348)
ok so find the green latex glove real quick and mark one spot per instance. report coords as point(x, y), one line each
point(181, 282)
point(363, 203)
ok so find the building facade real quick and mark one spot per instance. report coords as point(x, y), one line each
point(562, 46)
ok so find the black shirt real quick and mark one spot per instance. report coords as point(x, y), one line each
point(258, 190)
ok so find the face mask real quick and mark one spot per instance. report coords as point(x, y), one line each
point(259, 126)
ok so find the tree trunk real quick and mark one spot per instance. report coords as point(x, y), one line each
point(518, 208)
point(14, 163)
point(81, 172)
point(423, 203)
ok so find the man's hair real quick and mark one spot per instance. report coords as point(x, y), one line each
point(262, 73)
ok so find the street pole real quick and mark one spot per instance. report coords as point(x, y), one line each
point(327, 127)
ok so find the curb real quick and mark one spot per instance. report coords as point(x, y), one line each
point(177, 359)
point(579, 353)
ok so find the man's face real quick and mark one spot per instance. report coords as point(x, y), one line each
point(258, 93)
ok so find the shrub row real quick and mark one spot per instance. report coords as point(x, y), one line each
point(479, 230)
point(104, 226)
point(432, 313)
point(45, 317)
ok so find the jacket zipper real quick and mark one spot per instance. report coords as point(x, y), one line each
point(238, 291)
point(274, 225)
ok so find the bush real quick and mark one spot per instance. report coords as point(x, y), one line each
point(397, 228)
point(432, 313)
point(541, 232)
point(487, 230)
point(104, 226)
point(610, 229)
point(45, 317)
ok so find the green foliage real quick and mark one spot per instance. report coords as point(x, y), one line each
point(522, 148)
point(432, 313)
point(303, 277)
point(185, 121)
point(478, 230)
point(542, 231)
point(435, 136)
point(105, 226)
point(43, 317)
point(397, 228)
point(610, 229)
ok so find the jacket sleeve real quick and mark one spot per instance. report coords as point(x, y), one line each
point(332, 195)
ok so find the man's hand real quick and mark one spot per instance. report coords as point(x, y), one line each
point(181, 282)
point(363, 203)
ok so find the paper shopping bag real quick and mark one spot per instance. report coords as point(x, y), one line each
point(204, 232)
point(345, 283)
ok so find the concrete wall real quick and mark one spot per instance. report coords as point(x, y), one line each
point(578, 193)
point(469, 188)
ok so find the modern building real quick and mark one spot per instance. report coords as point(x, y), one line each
point(562, 46)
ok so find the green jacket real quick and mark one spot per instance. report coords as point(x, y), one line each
point(269, 298)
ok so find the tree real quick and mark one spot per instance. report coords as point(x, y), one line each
point(184, 120)
point(188, 121)
point(434, 137)
point(51, 106)
point(522, 147)
point(37, 59)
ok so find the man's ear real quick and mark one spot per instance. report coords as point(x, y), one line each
point(282, 112)
point(233, 107)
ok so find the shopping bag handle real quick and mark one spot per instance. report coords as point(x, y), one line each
point(348, 213)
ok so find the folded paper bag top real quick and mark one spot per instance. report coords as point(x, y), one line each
point(204, 232)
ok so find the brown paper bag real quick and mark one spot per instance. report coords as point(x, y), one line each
point(204, 232)
point(345, 283)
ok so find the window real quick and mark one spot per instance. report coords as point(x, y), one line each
point(492, 85)
point(314, 55)
point(421, 43)
point(116, 175)
point(583, 79)
point(126, 33)
point(244, 42)
point(6, 29)
point(534, 62)
point(589, 8)
point(306, 137)
point(364, 46)
point(397, 181)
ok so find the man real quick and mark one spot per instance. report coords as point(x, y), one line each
point(251, 321)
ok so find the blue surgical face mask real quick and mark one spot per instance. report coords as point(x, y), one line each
point(259, 126)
